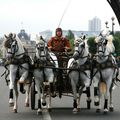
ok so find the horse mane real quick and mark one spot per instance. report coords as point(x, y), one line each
point(110, 46)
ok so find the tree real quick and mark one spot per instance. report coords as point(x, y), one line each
point(117, 43)
point(71, 37)
point(92, 45)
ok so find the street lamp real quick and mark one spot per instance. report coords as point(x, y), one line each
point(113, 25)
point(106, 24)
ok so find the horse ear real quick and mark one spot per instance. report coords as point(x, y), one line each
point(84, 37)
point(14, 36)
point(5, 36)
point(41, 38)
point(100, 34)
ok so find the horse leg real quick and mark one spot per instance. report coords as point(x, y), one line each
point(22, 90)
point(80, 93)
point(38, 85)
point(27, 95)
point(97, 99)
point(22, 81)
point(11, 103)
point(16, 98)
point(49, 99)
point(88, 97)
point(13, 70)
point(74, 89)
point(111, 107)
point(52, 89)
point(106, 96)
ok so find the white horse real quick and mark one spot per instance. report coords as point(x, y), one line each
point(80, 73)
point(104, 71)
point(43, 72)
point(18, 66)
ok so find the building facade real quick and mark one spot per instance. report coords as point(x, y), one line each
point(94, 25)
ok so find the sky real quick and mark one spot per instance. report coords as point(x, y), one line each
point(38, 15)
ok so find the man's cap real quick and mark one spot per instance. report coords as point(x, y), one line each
point(58, 29)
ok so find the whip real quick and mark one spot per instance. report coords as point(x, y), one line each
point(65, 10)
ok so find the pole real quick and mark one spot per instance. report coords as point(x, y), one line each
point(113, 25)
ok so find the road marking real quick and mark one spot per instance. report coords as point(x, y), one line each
point(46, 115)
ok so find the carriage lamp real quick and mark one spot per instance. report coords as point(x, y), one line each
point(113, 25)
point(106, 24)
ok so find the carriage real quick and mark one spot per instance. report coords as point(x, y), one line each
point(61, 85)
point(71, 75)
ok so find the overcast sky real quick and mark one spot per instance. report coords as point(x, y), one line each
point(39, 15)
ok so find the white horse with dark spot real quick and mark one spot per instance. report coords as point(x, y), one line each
point(17, 63)
point(80, 72)
point(105, 71)
point(44, 62)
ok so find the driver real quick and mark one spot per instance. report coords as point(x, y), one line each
point(59, 44)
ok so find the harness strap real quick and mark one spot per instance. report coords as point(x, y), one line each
point(6, 73)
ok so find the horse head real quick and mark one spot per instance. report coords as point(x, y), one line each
point(13, 46)
point(81, 46)
point(41, 48)
point(10, 44)
point(104, 44)
point(9, 40)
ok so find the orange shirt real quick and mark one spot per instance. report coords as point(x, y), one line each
point(58, 44)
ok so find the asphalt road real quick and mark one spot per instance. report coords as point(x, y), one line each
point(62, 108)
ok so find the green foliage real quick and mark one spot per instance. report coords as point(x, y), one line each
point(117, 43)
point(71, 37)
point(92, 45)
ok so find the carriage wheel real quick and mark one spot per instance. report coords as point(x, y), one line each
point(33, 92)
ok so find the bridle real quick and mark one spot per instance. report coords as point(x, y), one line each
point(101, 46)
point(11, 45)
point(80, 53)
point(42, 50)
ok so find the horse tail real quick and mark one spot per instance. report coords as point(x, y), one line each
point(103, 87)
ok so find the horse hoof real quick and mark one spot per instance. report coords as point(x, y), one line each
point(15, 110)
point(11, 104)
point(96, 103)
point(75, 110)
point(111, 109)
point(26, 104)
point(98, 111)
point(105, 111)
point(78, 109)
point(39, 112)
point(49, 110)
point(53, 95)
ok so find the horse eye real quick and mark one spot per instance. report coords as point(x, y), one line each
point(105, 43)
point(83, 45)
